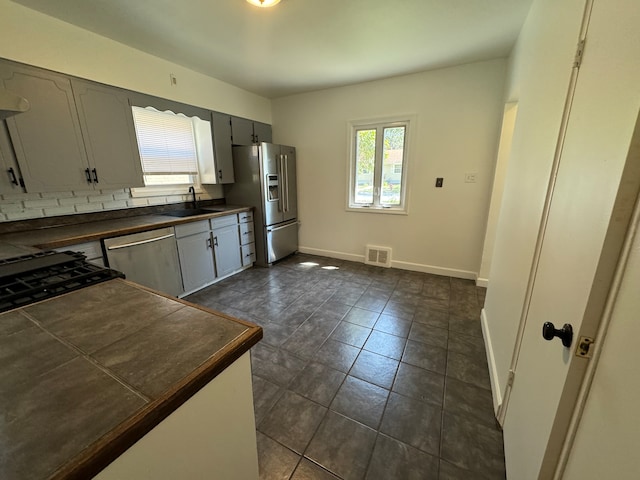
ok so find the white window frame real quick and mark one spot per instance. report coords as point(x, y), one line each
point(408, 121)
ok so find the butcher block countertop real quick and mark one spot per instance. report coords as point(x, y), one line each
point(62, 236)
point(86, 374)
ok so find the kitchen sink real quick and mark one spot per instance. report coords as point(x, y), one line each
point(189, 212)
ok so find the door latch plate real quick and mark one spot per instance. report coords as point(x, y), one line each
point(584, 347)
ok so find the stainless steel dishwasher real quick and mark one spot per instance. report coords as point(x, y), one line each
point(148, 258)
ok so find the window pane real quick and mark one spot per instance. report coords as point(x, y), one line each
point(365, 162)
point(392, 164)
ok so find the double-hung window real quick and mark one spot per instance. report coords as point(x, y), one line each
point(378, 166)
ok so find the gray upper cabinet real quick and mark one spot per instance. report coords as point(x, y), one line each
point(248, 132)
point(109, 135)
point(47, 139)
point(9, 171)
point(262, 132)
point(241, 131)
point(222, 146)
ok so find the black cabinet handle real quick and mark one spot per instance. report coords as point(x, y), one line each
point(95, 175)
point(12, 174)
point(88, 174)
point(220, 174)
point(549, 331)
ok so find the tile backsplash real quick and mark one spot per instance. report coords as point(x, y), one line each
point(24, 206)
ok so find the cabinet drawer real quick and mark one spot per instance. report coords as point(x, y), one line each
point(245, 217)
point(248, 254)
point(225, 221)
point(246, 233)
point(192, 228)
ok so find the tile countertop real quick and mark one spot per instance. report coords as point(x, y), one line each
point(56, 237)
point(87, 374)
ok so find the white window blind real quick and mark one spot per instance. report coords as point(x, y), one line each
point(166, 142)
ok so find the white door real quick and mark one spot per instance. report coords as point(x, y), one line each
point(579, 246)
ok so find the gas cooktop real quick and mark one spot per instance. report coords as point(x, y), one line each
point(30, 278)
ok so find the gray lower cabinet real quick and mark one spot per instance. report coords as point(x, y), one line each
point(226, 244)
point(109, 135)
point(247, 239)
point(47, 139)
point(209, 250)
point(196, 259)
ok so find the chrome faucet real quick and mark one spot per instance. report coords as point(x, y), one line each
point(192, 191)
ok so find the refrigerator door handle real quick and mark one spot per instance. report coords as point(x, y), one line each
point(281, 227)
point(280, 189)
point(285, 170)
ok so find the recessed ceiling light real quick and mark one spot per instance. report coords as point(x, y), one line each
point(263, 3)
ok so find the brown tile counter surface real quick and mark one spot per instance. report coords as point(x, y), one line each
point(56, 237)
point(86, 374)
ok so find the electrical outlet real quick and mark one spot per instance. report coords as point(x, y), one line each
point(470, 177)
point(439, 182)
point(173, 80)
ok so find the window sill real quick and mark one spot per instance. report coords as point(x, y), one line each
point(385, 210)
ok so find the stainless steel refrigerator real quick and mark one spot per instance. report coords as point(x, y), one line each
point(265, 178)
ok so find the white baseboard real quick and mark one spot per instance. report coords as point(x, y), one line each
point(482, 282)
point(414, 267)
point(496, 391)
point(449, 272)
point(331, 254)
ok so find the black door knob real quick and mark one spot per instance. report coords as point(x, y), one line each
point(565, 333)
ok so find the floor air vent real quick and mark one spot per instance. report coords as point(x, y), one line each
point(380, 256)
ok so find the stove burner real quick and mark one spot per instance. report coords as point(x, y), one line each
point(31, 278)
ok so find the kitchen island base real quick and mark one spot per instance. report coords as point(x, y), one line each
point(211, 436)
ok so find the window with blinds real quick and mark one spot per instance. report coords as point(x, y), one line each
point(167, 145)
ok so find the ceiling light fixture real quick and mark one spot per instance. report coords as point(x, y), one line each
point(263, 3)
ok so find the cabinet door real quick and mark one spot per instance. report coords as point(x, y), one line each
point(47, 139)
point(242, 131)
point(196, 261)
point(109, 134)
point(227, 250)
point(9, 171)
point(222, 146)
point(262, 132)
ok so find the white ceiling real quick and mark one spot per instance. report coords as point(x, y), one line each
point(302, 45)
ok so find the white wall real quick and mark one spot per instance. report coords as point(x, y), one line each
point(34, 38)
point(539, 72)
point(458, 111)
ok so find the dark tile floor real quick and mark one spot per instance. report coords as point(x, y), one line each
point(365, 372)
